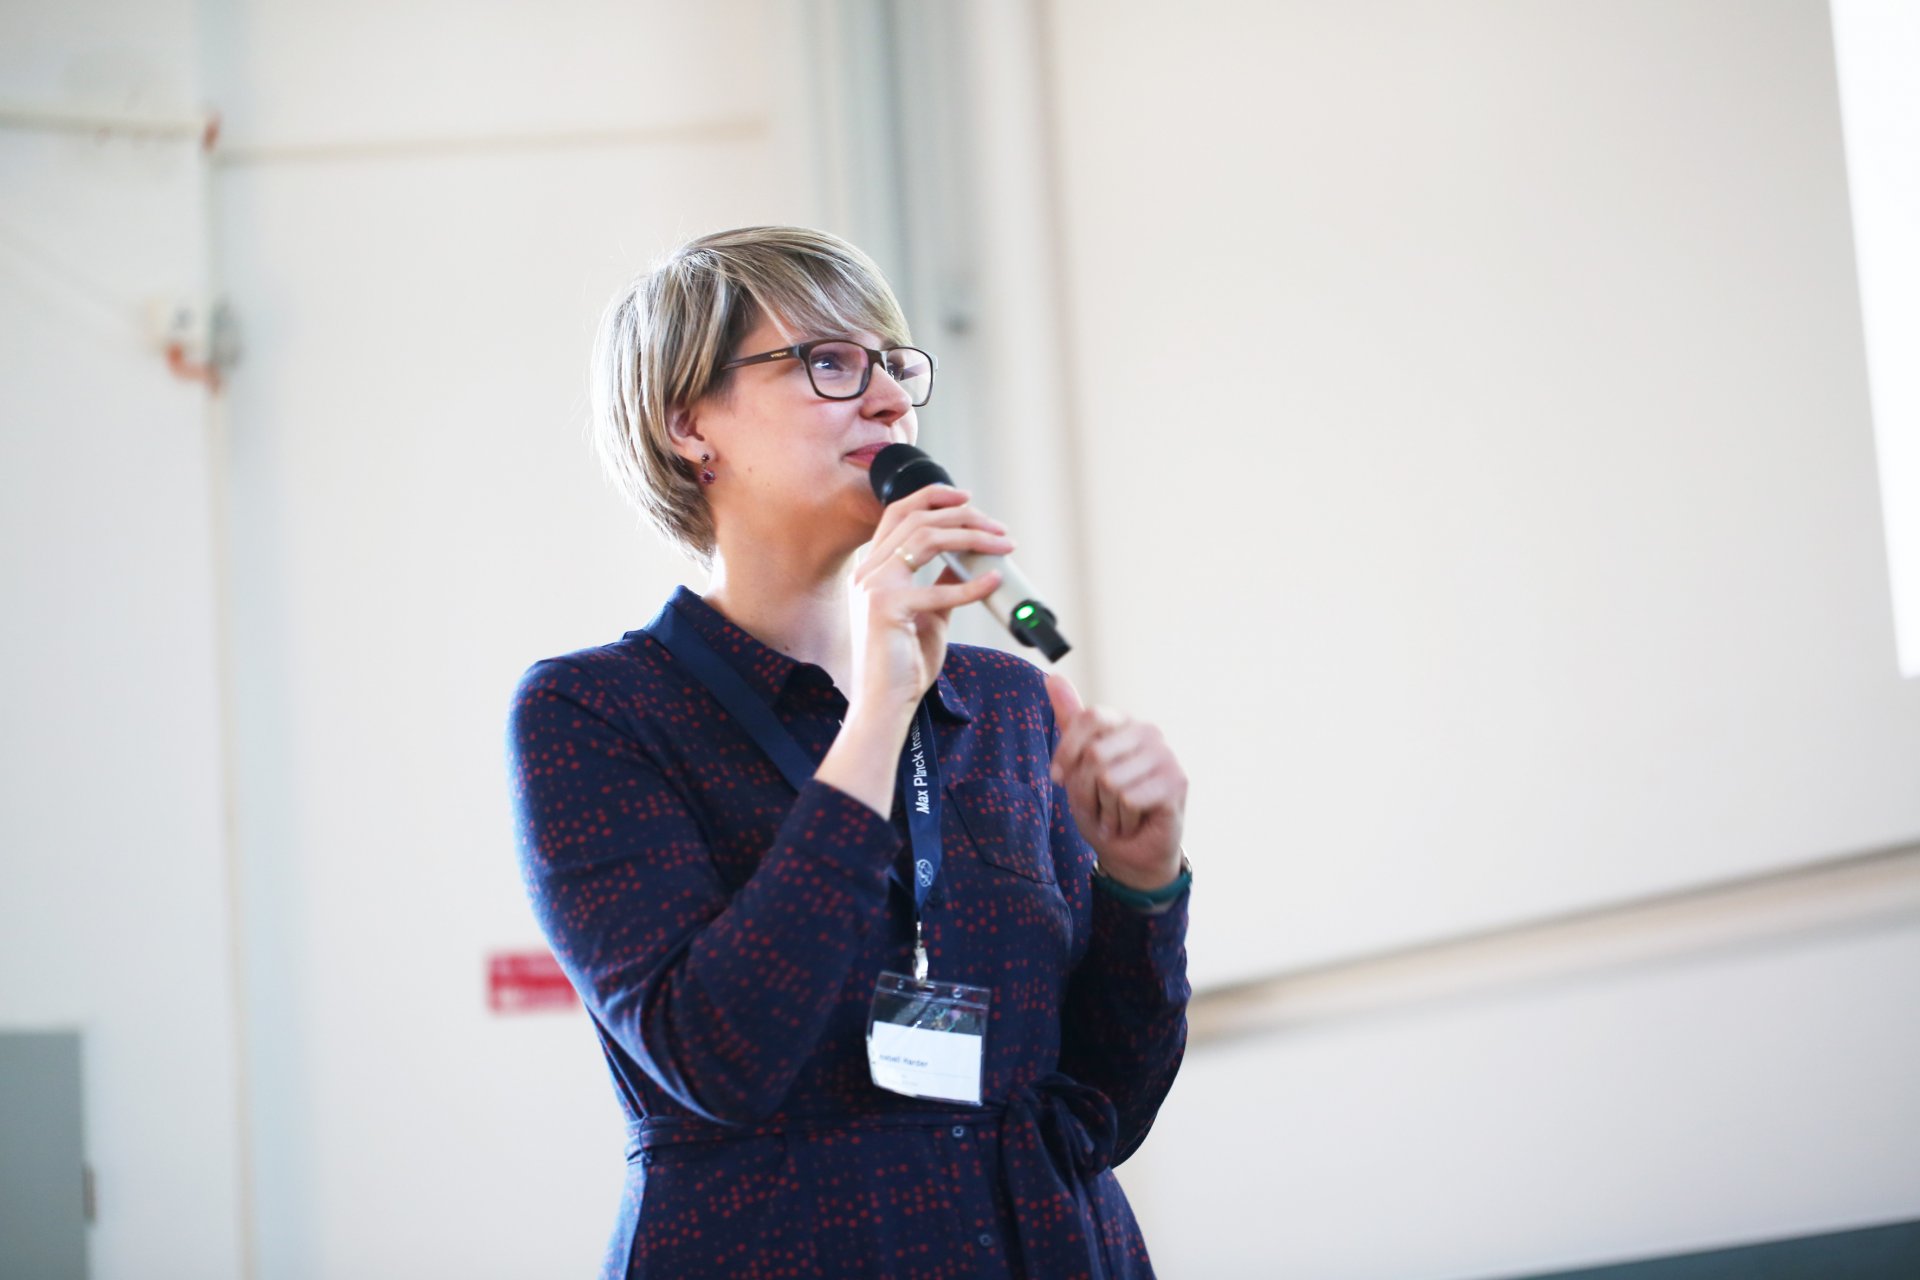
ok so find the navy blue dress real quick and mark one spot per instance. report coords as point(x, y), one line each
point(724, 934)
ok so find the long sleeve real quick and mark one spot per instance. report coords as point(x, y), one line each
point(1124, 1022)
point(719, 997)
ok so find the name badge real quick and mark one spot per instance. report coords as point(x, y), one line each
point(925, 1039)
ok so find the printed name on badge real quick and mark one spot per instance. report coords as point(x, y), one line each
point(927, 1039)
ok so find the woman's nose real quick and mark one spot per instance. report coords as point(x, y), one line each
point(885, 398)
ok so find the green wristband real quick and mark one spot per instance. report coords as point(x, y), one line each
point(1141, 899)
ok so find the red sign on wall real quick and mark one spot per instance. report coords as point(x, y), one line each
point(526, 981)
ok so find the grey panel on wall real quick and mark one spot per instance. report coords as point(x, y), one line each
point(43, 1229)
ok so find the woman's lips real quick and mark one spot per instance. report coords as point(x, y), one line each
point(864, 457)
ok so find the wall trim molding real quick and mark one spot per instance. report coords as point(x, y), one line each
point(694, 133)
point(1838, 895)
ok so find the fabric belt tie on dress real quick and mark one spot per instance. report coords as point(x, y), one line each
point(1055, 1135)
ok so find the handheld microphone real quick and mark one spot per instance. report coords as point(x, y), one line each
point(901, 469)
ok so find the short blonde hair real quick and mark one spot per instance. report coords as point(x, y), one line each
point(664, 337)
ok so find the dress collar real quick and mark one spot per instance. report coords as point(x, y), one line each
point(766, 670)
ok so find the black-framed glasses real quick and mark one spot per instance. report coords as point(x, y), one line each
point(840, 369)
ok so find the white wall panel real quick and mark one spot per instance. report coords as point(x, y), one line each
point(1481, 482)
point(114, 910)
point(297, 74)
point(1727, 1096)
point(419, 517)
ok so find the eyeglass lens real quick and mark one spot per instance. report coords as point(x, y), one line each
point(839, 370)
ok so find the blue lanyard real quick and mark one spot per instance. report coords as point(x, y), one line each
point(919, 762)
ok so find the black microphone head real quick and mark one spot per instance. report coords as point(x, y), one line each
point(901, 469)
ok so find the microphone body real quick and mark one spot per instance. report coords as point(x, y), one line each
point(901, 469)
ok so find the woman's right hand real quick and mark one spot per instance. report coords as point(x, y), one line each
point(900, 632)
point(899, 627)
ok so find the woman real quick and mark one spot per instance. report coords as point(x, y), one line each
point(727, 912)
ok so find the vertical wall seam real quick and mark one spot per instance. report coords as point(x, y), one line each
point(218, 438)
point(1073, 482)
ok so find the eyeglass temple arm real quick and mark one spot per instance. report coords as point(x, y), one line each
point(787, 353)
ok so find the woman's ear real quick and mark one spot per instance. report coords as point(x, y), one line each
point(683, 429)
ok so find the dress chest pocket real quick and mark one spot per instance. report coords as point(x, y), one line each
point(1007, 821)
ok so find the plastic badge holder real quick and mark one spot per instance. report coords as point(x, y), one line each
point(926, 1039)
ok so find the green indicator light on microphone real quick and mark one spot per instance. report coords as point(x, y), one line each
point(1024, 613)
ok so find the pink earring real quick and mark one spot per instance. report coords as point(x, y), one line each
point(706, 472)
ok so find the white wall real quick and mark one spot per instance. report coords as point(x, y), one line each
point(1497, 367)
point(1488, 377)
point(113, 855)
point(1726, 1096)
point(422, 213)
point(1538, 320)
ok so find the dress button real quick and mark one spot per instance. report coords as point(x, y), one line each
point(959, 1131)
point(986, 1241)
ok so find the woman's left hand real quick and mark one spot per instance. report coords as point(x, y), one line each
point(1129, 794)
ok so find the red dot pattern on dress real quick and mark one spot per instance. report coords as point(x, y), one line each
point(724, 934)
